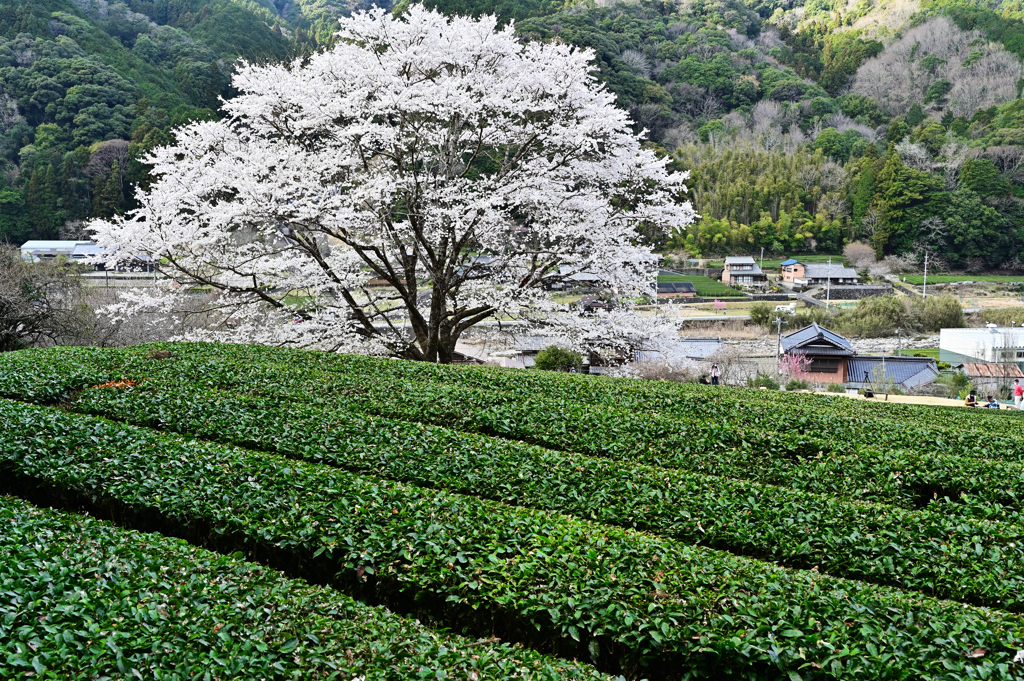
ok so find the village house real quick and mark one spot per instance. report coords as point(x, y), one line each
point(803, 275)
point(828, 352)
point(833, 360)
point(742, 270)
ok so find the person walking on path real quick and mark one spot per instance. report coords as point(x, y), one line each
point(1018, 393)
point(715, 373)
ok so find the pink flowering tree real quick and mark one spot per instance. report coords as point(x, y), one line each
point(424, 175)
point(795, 366)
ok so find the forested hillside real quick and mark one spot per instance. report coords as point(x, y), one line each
point(806, 125)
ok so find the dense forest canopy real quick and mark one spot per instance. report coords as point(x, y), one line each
point(807, 124)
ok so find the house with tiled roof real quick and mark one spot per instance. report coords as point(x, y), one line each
point(742, 270)
point(801, 275)
point(827, 352)
point(833, 360)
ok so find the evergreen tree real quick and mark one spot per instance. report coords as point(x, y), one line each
point(41, 199)
point(905, 197)
point(107, 197)
point(865, 192)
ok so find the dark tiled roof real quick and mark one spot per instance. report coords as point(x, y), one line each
point(814, 335)
point(906, 371)
point(676, 287)
point(821, 350)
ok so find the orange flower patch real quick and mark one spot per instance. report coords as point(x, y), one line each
point(123, 383)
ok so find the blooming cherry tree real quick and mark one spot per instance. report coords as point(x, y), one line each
point(424, 175)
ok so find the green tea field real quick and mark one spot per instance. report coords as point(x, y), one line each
point(231, 511)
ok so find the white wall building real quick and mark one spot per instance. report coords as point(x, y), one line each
point(991, 344)
point(34, 250)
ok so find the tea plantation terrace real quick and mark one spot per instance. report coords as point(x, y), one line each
point(559, 526)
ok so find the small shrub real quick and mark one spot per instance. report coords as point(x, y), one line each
point(1003, 316)
point(554, 358)
point(762, 314)
point(796, 384)
point(835, 388)
point(763, 381)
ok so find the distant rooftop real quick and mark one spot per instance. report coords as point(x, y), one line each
point(909, 372)
point(53, 245)
point(823, 269)
point(816, 340)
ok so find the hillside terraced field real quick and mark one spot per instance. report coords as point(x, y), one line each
point(559, 526)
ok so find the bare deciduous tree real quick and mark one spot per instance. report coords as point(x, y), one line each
point(36, 301)
point(932, 234)
point(914, 155)
point(1007, 158)
point(859, 255)
point(637, 61)
point(103, 159)
point(833, 205)
point(980, 73)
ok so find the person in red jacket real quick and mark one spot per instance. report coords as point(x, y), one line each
point(1018, 393)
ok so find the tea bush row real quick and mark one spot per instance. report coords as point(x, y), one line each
point(83, 599)
point(649, 605)
point(970, 560)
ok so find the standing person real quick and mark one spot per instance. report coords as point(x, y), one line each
point(1018, 393)
point(715, 373)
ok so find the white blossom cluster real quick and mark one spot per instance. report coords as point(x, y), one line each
point(424, 175)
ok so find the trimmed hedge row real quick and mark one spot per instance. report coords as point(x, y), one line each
point(656, 607)
point(920, 550)
point(803, 418)
point(978, 488)
point(908, 427)
point(85, 599)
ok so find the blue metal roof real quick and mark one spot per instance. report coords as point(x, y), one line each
point(815, 335)
point(906, 371)
point(791, 261)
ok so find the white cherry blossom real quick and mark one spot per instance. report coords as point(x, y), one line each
point(422, 176)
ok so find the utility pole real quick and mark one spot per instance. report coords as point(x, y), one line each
point(899, 344)
point(924, 291)
point(828, 283)
point(762, 258)
point(779, 321)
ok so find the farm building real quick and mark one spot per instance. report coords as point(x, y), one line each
point(833, 360)
point(35, 250)
point(742, 270)
point(989, 377)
